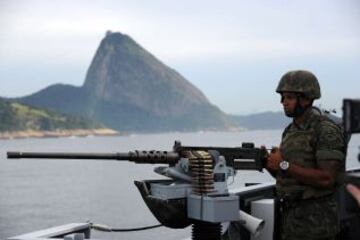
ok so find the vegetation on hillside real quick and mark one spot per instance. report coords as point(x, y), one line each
point(20, 117)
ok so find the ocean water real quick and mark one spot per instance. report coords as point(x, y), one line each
point(37, 194)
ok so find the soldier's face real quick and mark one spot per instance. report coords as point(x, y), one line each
point(289, 101)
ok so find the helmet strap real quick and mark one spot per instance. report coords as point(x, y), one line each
point(299, 110)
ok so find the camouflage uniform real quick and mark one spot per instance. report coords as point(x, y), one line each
point(309, 212)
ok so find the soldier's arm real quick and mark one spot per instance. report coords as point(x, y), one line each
point(330, 159)
point(324, 176)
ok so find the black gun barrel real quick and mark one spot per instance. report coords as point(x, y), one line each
point(153, 157)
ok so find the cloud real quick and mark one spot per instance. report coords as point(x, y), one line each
point(175, 31)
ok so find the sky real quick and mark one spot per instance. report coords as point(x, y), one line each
point(234, 51)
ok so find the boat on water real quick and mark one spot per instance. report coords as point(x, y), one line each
point(254, 199)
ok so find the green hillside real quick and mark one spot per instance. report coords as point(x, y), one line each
point(20, 117)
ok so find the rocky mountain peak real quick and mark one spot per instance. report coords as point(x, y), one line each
point(124, 72)
point(128, 89)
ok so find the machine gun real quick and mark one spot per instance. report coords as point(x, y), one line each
point(197, 191)
point(246, 157)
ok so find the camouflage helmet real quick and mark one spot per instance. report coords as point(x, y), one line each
point(300, 81)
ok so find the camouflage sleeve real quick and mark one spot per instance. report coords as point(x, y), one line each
point(330, 143)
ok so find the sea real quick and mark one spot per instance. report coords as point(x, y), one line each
point(38, 194)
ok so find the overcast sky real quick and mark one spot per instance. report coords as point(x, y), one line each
point(234, 51)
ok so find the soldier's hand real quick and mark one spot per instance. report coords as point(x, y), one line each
point(355, 191)
point(263, 147)
point(274, 159)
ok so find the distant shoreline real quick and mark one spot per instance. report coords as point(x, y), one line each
point(58, 133)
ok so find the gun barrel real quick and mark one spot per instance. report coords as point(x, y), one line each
point(43, 155)
point(153, 157)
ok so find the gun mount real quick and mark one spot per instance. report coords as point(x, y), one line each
point(197, 191)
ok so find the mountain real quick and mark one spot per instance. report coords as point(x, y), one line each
point(128, 89)
point(265, 120)
point(20, 117)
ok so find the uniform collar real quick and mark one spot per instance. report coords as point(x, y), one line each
point(308, 119)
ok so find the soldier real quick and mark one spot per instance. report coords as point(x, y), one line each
point(309, 163)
